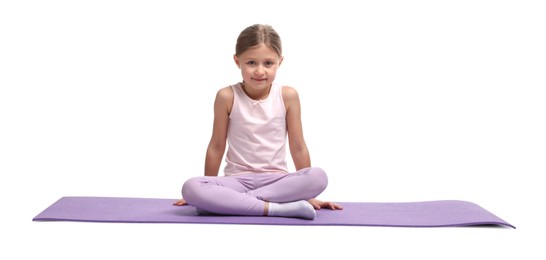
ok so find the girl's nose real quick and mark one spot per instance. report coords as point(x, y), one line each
point(259, 70)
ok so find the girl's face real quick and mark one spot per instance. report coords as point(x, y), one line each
point(258, 66)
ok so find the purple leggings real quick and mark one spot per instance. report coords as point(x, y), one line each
point(246, 194)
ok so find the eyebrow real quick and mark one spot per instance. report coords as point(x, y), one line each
point(266, 59)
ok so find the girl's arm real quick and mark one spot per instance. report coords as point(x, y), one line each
point(298, 147)
point(217, 144)
point(296, 142)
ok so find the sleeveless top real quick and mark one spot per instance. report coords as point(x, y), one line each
point(256, 133)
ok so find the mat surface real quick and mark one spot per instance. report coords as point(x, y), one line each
point(444, 213)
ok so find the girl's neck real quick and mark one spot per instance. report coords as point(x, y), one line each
point(256, 94)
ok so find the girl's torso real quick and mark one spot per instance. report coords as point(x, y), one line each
point(256, 133)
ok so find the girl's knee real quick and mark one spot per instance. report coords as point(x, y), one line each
point(319, 178)
point(191, 188)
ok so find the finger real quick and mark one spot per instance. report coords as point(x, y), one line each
point(180, 202)
point(334, 206)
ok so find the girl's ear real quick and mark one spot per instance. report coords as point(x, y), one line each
point(236, 59)
point(280, 61)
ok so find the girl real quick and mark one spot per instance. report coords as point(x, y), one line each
point(255, 117)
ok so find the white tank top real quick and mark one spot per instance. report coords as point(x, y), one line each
point(256, 133)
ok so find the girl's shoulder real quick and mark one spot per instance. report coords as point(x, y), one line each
point(224, 98)
point(289, 93)
point(225, 93)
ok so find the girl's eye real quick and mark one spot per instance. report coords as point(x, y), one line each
point(251, 63)
point(268, 63)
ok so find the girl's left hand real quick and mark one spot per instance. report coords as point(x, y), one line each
point(318, 204)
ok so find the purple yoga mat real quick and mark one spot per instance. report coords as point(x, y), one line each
point(444, 213)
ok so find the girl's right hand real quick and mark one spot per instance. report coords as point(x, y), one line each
point(180, 202)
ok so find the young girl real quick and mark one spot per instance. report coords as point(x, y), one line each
point(255, 117)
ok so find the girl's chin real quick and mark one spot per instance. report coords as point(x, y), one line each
point(260, 83)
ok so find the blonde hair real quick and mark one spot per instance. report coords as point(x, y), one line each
point(256, 34)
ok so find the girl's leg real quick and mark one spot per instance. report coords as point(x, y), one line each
point(304, 184)
point(222, 195)
point(288, 193)
point(250, 194)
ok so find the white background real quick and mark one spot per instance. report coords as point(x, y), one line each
point(402, 101)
